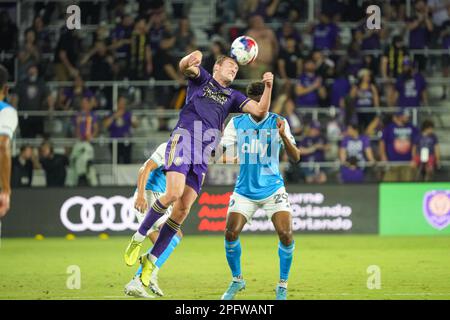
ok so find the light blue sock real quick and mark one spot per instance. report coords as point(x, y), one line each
point(165, 255)
point(285, 253)
point(233, 253)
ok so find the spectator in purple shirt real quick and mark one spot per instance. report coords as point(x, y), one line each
point(420, 28)
point(86, 121)
point(325, 34)
point(121, 40)
point(426, 151)
point(313, 148)
point(159, 32)
point(86, 126)
point(353, 61)
point(396, 145)
point(410, 87)
point(119, 125)
point(339, 88)
point(354, 153)
point(309, 89)
point(368, 38)
point(72, 96)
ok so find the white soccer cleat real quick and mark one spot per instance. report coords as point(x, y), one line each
point(135, 288)
point(153, 285)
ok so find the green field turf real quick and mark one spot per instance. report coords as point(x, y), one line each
point(325, 267)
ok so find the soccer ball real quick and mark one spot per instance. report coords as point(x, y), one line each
point(244, 50)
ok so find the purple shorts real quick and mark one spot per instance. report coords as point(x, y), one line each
point(181, 156)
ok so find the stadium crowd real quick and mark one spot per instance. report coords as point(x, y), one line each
point(142, 40)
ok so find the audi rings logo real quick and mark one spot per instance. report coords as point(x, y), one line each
point(87, 211)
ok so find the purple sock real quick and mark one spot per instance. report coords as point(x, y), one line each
point(156, 211)
point(168, 230)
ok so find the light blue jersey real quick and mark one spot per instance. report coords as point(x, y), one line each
point(4, 105)
point(8, 119)
point(157, 180)
point(258, 148)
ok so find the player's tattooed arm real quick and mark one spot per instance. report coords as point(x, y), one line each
point(141, 202)
point(260, 109)
point(189, 65)
point(291, 149)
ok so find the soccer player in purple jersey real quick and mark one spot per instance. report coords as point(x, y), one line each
point(209, 101)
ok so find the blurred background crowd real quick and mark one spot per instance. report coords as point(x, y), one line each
point(364, 105)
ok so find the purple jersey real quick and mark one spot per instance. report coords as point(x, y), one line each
point(310, 99)
point(398, 141)
point(121, 127)
point(316, 156)
point(207, 101)
point(355, 62)
point(427, 142)
point(410, 90)
point(418, 37)
point(339, 89)
point(446, 38)
point(355, 147)
point(352, 175)
point(325, 36)
point(372, 42)
point(199, 126)
point(84, 122)
point(446, 42)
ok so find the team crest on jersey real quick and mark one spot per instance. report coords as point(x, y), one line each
point(436, 208)
point(178, 161)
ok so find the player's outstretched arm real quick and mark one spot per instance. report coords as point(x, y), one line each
point(190, 63)
point(288, 140)
point(141, 203)
point(5, 174)
point(260, 109)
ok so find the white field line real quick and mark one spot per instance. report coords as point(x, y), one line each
point(243, 295)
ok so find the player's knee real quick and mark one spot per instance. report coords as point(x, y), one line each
point(180, 212)
point(231, 235)
point(172, 196)
point(286, 237)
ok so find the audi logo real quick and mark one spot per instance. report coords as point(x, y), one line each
point(87, 213)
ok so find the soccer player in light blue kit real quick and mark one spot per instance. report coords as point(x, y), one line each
point(8, 124)
point(259, 185)
point(150, 186)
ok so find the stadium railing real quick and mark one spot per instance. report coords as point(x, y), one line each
point(107, 148)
